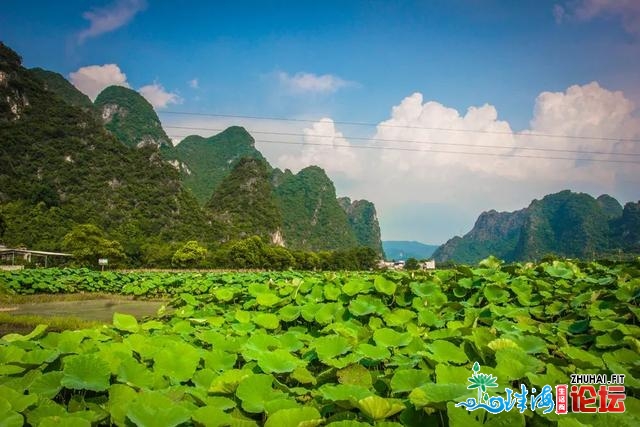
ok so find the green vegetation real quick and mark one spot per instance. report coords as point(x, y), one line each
point(356, 349)
point(88, 243)
point(130, 118)
point(190, 255)
point(364, 223)
point(312, 216)
point(244, 203)
point(57, 84)
point(204, 162)
point(566, 224)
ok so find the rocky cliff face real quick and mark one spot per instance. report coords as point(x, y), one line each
point(131, 118)
point(566, 223)
point(363, 220)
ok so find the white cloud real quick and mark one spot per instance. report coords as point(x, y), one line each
point(194, 84)
point(433, 193)
point(301, 83)
point(158, 96)
point(110, 18)
point(586, 10)
point(91, 80)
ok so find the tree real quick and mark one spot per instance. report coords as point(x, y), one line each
point(411, 264)
point(247, 253)
point(88, 243)
point(190, 255)
point(3, 226)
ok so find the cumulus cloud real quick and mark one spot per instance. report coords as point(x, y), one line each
point(433, 169)
point(301, 83)
point(91, 80)
point(194, 84)
point(158, 96)
point(586, 10)
point(110, 18)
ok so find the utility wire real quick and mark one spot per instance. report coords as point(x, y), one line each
point(285, 119)
point(378, 147)
point(558, 150)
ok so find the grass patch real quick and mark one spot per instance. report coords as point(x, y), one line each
point(40, 298)
point(17, 323)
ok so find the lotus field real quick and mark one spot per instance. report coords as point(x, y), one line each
point(336, 349)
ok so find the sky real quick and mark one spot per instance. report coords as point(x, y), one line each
point(434, 110)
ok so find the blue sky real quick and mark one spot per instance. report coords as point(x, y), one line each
point(356, 61)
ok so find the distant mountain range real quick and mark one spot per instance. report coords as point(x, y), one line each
point(396, 250)
point(564, 224)
point(65, 161)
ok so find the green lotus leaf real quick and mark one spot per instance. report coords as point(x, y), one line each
point(11, 369)
point(399, 317)
point(349, 423)
point(303, 375)
point(243, 316)
point(211, 416)
point(559, 270)
point(331, 292)
point(9, 418)
point(295, 417)
point(37, 332)
point(45, 408)
point(531, 344)
point(356, 285)
point(378, 408)
point(445, 351)
point(67, 421)
point(278, 361)
point(501, 343)
point(430, 394)
point(48, 385)
point(219, 360)
point(136, 374)
point(291, 341)
point(582, 358)
point(267, 299)
point(40, 356)
point(289, 313)
point(366, 304)
point(386, 337)
point(460, 417)
point(513, 364)
point(120, 397)
point(17, 401)
point(496, 294)
point(428, 317)
point(404, 380)
point(355, 374)
point(11, 354)
point(153, 409)
point(447, 374)
point(331, 346)
point(344, 393)
point(255, 391)
point(220, 402)
point(384, 285)
point(327, 312)
point(228, 381)
point(273, 406)
point(223, 294)
point(86, 372)
point(552, 375)
point(177, 361)
point(267, 320)
point(125, 322)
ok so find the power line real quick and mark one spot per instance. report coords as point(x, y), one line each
point(285, 119)
point(377, 147)
point(558, 150)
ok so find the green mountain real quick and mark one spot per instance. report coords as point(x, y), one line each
point(204, 162)
point(130, 118)
point(63, 164)
point(364, 222)
point(402, 250)
point(59, 167)
point(312, 217)
point(57, 84)
point(566, 224)
point(244, 203)
point(625, 230)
